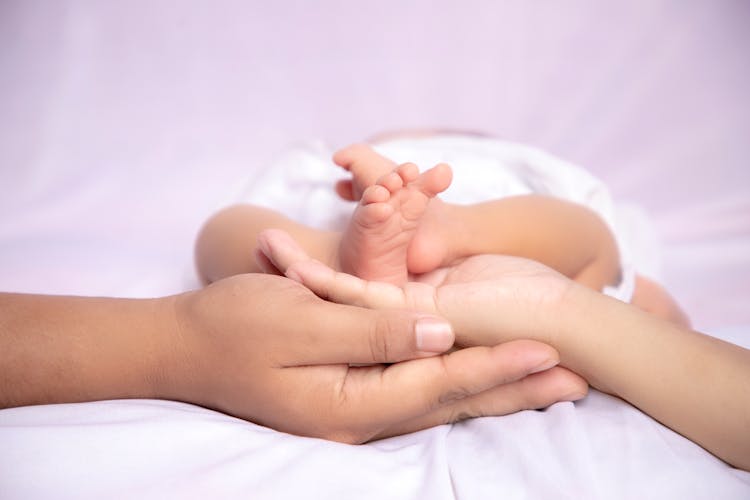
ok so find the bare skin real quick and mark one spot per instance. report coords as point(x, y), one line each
point(384, 224)
point(431, 244)
point(374, 244)
point(267, 350)
point(574, 240)
point(564, 236)
point(690, 382)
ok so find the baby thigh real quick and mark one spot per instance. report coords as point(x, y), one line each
point(227, 242)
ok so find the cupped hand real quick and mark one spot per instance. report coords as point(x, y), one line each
point(266, 349)
point(487, 298)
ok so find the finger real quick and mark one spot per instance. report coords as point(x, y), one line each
point(265, 264)
point(280, 248)
point(532, 392)
point(338, 287)
point(345, 288)
point(352, 334)
point(333, 333)
point(411, 389)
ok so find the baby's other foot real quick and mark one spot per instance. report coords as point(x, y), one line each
point(375, 244)
point(436, 239)
point(366, 167)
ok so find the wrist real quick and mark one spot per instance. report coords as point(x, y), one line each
point(57, 349)
point(586, 333)
point(138, 351)
point(173, 371)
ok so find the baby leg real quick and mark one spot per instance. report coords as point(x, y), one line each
point(227, 243)
point(652, 297)
point(374, 245)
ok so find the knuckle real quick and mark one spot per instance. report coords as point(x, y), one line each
point(465, 411)
point(341, 417)
point(453, 395)
point(458, 416)
point(454, 391)
point(379, 340)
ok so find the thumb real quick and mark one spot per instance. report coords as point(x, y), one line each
point(350, 334)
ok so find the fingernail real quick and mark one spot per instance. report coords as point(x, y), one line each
point(433, 335)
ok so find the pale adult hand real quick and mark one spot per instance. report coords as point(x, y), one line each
point(266, 349)
point(682, 378)
point(488, 298)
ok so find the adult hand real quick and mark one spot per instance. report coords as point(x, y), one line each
point(488, 298)
point(266, 349)
point(618, 348)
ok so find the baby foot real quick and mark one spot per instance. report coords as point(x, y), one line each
point(434, 243)
point(366, 167)
point(437, 239)
point(374, 246)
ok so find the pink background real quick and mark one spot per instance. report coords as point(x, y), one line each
point(123, 125)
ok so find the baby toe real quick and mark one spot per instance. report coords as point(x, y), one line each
point(391, 181)
point(375, 194)
point(408, 172)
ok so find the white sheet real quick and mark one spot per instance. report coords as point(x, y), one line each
point(123, 125)
point(597, 448)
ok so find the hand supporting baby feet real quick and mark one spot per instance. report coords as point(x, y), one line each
point(488, 299)
point(375, 244)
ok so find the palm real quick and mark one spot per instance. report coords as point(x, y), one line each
point(489, 268)
point(490, 297)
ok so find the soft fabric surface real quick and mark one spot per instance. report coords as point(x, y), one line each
point(124, 125)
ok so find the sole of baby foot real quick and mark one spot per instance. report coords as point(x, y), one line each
point(434, 242)
point(375, 244)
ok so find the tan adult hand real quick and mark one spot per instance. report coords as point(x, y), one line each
point(266, 349)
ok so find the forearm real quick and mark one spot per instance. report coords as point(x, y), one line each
point(56, 349)
point(695, 384)
point(692, 383)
